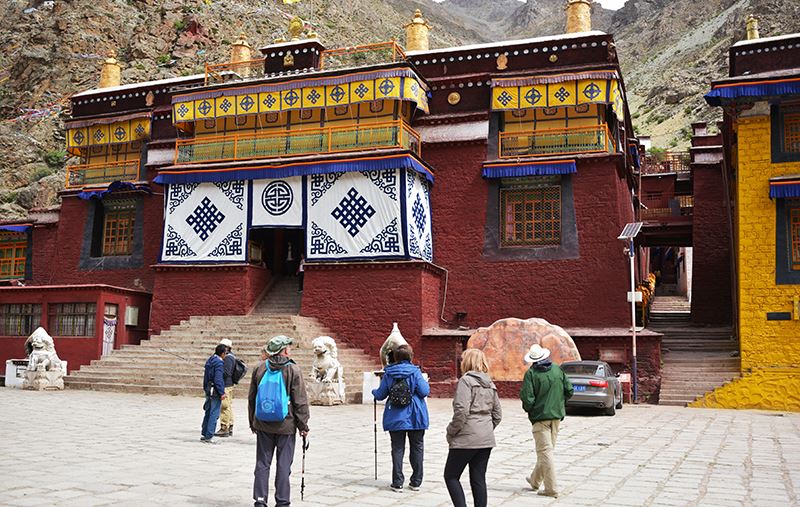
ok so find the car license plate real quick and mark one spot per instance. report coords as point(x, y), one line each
point(579, 388)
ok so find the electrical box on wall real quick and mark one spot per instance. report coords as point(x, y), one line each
point(132, 316)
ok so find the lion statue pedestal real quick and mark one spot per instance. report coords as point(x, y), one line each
point(327, 385)
point(45, 370)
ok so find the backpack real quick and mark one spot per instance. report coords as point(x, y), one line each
point(400, 393)
point(272, 400)
point(239, 369)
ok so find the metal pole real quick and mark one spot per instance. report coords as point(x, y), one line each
point(633, 322)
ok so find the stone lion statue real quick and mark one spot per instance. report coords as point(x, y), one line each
point(394, 340)
point(41, 352)
point(326, 367)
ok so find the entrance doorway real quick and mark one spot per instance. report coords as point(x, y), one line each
point(279, 250)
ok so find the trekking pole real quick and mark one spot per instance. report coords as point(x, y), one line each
point(375, 428)
point(303, 469)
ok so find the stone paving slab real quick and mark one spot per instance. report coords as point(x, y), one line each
point(84, 448)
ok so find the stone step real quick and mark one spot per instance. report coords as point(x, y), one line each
point(187, 379)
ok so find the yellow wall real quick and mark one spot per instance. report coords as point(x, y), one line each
point(772, 390)
point(112, 153)
point(525, 120)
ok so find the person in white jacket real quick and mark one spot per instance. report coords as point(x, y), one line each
point(476, 413)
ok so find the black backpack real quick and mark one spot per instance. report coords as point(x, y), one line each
point(400, 393)
point(239, 370)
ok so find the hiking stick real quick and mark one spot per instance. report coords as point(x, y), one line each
point(303, 469)
point(375, 428)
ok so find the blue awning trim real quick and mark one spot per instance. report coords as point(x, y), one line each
point(116, 186)
point(300, 169)
point(530, 169)
point(635, 155)
point(716, 96)
point(784, 190)
point(15, 228)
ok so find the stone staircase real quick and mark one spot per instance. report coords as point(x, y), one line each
point(172, 362)
point(282, 298)
point(670, 311)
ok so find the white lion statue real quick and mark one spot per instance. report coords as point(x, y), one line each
point(41, 352)
point(326, 366)
point(394, 340)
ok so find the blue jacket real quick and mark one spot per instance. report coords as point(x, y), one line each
point(214, 377)
point(415, 415)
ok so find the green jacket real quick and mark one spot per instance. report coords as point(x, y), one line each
point(545, 390)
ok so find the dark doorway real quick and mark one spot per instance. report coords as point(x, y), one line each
point(277, 249)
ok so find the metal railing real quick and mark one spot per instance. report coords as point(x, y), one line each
point(667, 162)
point(359, 56)
point(291, 143)
point(546, 142)
point(223, 72)
point(103, 172)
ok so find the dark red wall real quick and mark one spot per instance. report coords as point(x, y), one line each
point(663, 184)
point(588, 291)
point(77, 350)
point(183, 291)
point(711, 259)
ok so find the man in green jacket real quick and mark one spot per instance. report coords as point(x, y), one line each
point(544, 393)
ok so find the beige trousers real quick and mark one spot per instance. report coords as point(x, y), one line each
point(226, 411)
point(544, 436)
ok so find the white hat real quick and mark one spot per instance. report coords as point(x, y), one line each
point(226, 342)
point(537, 353)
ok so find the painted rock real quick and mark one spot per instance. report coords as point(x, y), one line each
point(506, 342)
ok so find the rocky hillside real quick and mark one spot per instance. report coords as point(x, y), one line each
point(670, 50)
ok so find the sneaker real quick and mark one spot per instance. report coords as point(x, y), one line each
point(223, 433)
point(396, 489)
point(413, 488)
point(207, 440)
point(533, 484)
point(553, 494)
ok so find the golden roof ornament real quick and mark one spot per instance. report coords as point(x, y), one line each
point(752, 27)
point(296, 27)
point(110, 72)
point(417, 33)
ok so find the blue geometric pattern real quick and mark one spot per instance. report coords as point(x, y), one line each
point(277, 197)
point(386, 86)
point(78, 137)
point(119, 133)
point(247, 103)
point(179, 192)
point(411, 177)
point(321, 183)
point(361, 90)
point(418, 212)
point(291, 98)
point(269, 101)
point(386, 180)
point(175, 245)
point(204, 108)
point(562, 94)
point(182, 110)
point(427, 251)
point(226, 105)
point(413, 245)
point(313, 96)
point(231, 245)
point(387, 241)
point(504, 98)
point(233, 190)
point(205, 218)
point(533, 96)
point(322, 243)
point(353, 212)
point(337, 94)
point(592, 91)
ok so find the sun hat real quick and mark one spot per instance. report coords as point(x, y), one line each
point(278, 343)
point(537, 353)
point(226, 342)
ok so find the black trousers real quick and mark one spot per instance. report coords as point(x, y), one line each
point(457, 460)
point(416, 444)
point(267, 445)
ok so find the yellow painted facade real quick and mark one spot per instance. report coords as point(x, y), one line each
point(770, 350)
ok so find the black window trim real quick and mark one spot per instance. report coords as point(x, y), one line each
point(777, 113)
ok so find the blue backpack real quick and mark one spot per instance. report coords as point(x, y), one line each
point(272, 400)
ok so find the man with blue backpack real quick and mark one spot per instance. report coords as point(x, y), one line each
point(278, 409)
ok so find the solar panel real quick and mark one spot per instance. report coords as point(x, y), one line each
point(630, 231)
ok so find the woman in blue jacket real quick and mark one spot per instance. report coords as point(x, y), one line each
point(401, 420)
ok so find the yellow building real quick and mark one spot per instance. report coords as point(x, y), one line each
point(761, 102)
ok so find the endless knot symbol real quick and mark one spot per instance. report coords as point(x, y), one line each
point(533, 96)
point(418, 210)
point(414, 88)
point(119, 133)
point(140, 130)
point(562, 94)
point(226, 105)
point(361, 90)
point(386, 86)
point(205, 218)
point(353, 212)
point(78, 137)
point(204, 108)
point(277, 198)
point(247, 103)
point(337, 94)
point(504, 98)
point(591, 91)
point(291, 98)
point(182, 110)
point(313, 96)
point(98, 135)
point(269, 101)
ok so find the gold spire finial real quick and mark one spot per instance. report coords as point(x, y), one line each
point(417, 33)
point(752, 27)
point(579, 16)
point(110, 72)
point(296, 27)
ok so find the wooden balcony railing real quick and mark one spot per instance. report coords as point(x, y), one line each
point(291, 143)
point(540, 143)
point(104, 172)
point(668, 162)
point(359, 56)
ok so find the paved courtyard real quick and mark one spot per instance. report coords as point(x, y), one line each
point(86, 448)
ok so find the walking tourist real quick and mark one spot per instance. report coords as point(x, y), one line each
point(405, 415)
point(226, 411)
point(545, 390)
point(476, 413)
point(277, 408)
point(301, 271)
point(214, 387)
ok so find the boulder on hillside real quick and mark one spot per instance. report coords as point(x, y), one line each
point(506, 342)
